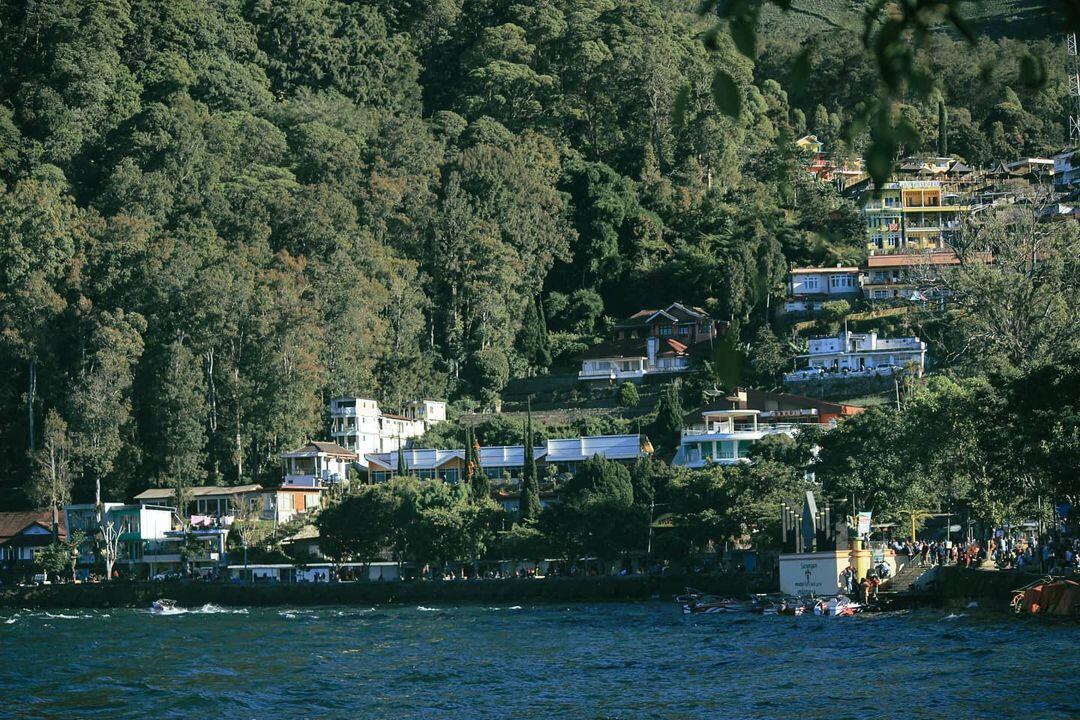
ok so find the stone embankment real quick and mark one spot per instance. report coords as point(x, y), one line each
point(513, 591)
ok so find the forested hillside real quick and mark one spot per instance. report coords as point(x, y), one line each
point(214, 214)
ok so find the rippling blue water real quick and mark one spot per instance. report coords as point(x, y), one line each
point(588, 661)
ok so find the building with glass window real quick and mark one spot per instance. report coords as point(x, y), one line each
point(724, 437)
point(649, 342)
point(360, 426)
point(912, 215)
point(808, 287)
point(851, 354)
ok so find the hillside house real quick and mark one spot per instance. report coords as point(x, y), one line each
point(22, 536)
point(850, 354)
point(808, 288)
point(649, 342)
point(317, 463)
point(359, 426)
point(688, 325)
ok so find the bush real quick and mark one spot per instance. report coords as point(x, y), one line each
point(628, 395)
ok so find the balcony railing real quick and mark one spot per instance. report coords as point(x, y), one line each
point(597, 374)
point(762, 427)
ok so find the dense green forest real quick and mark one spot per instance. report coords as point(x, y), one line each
point(216, 214)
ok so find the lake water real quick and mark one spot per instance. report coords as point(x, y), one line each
point(586, 661)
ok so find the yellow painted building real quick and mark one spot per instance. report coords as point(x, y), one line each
point(912, 215)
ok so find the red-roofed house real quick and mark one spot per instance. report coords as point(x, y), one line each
point(634, 359)
point(688, 325)
point(649, 342)
point(23, 535)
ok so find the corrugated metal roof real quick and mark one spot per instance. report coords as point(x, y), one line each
point(195, 492)
point(613, 447)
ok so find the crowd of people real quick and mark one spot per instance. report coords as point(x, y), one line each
point(1051, 553)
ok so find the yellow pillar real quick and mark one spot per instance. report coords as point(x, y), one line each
point(861, 558)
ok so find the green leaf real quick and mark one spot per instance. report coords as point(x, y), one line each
point(1033, 71)
point(678, 109)
point(726, 94)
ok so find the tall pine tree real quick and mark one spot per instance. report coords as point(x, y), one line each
point(529, 499)
point(533, 338)
point(402, 466)
point(669, 419)
point(942, 130)
point(479, 485)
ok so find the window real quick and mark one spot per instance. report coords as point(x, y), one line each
point(841, 281)
point(684, 329)
point(380, 476)
point(812, 282)
point(449, 475)
point(665, 331)
point(880, 295)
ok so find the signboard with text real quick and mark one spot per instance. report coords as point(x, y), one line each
point(863, 527)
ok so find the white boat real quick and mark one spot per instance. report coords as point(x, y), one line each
point(164, 606)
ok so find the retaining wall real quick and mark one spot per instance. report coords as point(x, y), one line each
point(511, 591)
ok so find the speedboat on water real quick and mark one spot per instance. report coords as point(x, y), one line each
point(164, 606)
point(838, 606)
point(779, 605)
point(696, 602)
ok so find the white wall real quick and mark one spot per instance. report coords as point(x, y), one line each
point(806, 574)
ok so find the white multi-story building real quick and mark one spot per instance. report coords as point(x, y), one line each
point(724, 437)
point(808, 288)
point(358, 425)
point(852, 354)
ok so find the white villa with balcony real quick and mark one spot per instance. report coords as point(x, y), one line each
point(808, 287)
point(724, 437)
point(317, 464)
point(360, 426)
point(852, 354)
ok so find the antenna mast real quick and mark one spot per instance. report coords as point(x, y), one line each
point(1074, 90)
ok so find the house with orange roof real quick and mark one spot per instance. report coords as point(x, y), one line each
point(649, 342)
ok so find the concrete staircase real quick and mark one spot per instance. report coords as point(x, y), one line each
point(905, 578)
